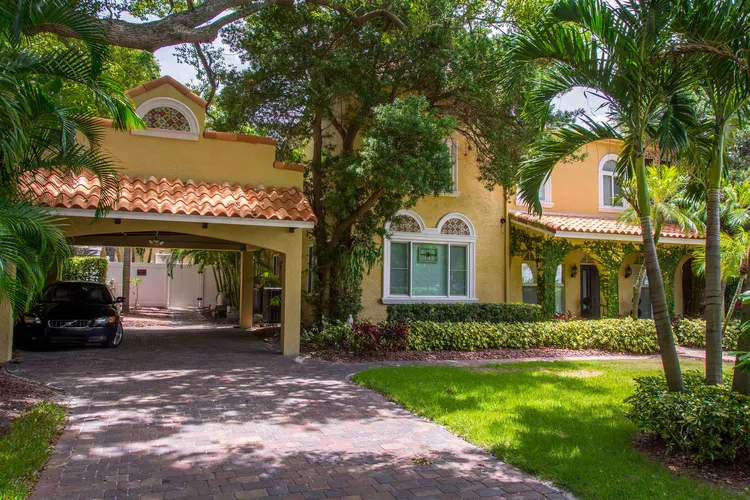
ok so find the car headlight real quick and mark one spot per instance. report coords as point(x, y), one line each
point(30, 319)
point(104, 320)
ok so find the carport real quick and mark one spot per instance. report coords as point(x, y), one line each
point(191, 188)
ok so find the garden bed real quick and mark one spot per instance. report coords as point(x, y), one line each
point(732, 475)
point(487, 354)
point(16, 395)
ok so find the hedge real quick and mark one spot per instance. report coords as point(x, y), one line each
point(465, 313)
point(706, 422)
point(93, 269)
point(622, 335)
point(692, 333)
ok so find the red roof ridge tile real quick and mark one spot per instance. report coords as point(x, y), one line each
point(167, 80)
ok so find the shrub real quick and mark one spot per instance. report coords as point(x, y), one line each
point(93, 269)
point(624, 335)
point(692, 333)
point(706, 422)
point(361, 338)
point(465, 313)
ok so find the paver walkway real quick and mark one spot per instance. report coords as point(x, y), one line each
point(216, 414)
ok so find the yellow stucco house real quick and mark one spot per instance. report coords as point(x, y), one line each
point(195, 188)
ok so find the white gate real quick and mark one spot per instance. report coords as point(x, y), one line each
point(152, 289)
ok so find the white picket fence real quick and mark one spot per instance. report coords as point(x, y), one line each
point(157, 289)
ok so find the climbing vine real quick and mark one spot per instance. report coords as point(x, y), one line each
point(669, 259)
point(609, 255)
point(548, 253)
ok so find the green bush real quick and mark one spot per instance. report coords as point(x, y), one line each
point(360, 338)
point(465, 313)
point(93, 269)
point(706, 422)
point(692, 333)
point(622, 335)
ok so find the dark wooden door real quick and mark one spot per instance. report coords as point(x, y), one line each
point(590, 299)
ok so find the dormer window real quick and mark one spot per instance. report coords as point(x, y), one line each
point(609, 185)
point(167, 117)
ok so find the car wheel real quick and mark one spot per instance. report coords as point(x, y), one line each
point(116, 339)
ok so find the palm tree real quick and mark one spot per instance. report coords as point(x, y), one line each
point(669, 204)
point(40, 134)
point(618, 53)
point(717, 34)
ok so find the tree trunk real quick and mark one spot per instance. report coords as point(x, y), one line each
point(637, 290)
point(732, 306)
point(714, 299)
point(670, 360)
point(126, 258)
point(741, 380)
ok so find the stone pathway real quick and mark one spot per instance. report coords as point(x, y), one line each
point(216, 414)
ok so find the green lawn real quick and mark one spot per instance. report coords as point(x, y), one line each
point(562, 421)
point(25, 447)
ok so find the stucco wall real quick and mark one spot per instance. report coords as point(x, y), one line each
point(575, 185)
point(485, 209)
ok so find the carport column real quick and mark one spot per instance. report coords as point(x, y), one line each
point(6, 331)
point(291, 297)
point(247, 279)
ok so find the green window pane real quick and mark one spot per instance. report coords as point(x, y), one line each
point(458, 271)
point(429, 270)
point(399, 269)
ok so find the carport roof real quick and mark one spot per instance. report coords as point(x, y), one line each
point(198, 200)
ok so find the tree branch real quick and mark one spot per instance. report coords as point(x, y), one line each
point(354, 215)
point(202, 23)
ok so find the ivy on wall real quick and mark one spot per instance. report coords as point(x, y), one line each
point(548, 253)
point(610, 256)
point(669, 259)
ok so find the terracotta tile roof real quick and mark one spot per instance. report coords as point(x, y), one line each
point(230, 136)
point(165, 196)
point(594, 225)
point(167, 80)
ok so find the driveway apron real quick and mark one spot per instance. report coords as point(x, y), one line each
point(216, 414)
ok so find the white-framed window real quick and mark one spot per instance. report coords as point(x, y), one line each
point(453, 150)
point(609, 185)
point(545, 195)
point(310, 268)
point(167, 117)
point(530, 291)
point(275, 260)
point(432, 264)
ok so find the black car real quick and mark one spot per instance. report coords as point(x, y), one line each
point(73, 313)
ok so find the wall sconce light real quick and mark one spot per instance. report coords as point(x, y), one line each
point(628, 272)
point(574, 271)
point(502, 220)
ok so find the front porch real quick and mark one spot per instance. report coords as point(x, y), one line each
point(587, 266)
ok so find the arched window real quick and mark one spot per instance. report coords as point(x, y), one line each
point(609, 186)
point(429, 264)
point(167, 117)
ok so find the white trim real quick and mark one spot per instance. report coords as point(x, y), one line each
point(168, 134)
point(455, 215)
point(158, 102)
point(431, 235)
point(211, 219)
point(602, 206)
point(548, 232)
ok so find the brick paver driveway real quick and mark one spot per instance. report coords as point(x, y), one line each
point(216, 414)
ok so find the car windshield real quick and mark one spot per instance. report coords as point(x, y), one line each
point(78, 292)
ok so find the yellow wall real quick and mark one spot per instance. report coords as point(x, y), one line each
point(484, 209)
point(575, 185)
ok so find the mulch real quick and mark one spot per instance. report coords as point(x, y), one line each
point(732, 475)
point(488, 354)
point(16, 395)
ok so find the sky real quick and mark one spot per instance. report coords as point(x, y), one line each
point(577, 99)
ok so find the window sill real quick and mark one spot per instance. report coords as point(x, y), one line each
point(427, 300)
point(545, 204)
point(611, 210)
point(168, 134)
point(451, 194)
